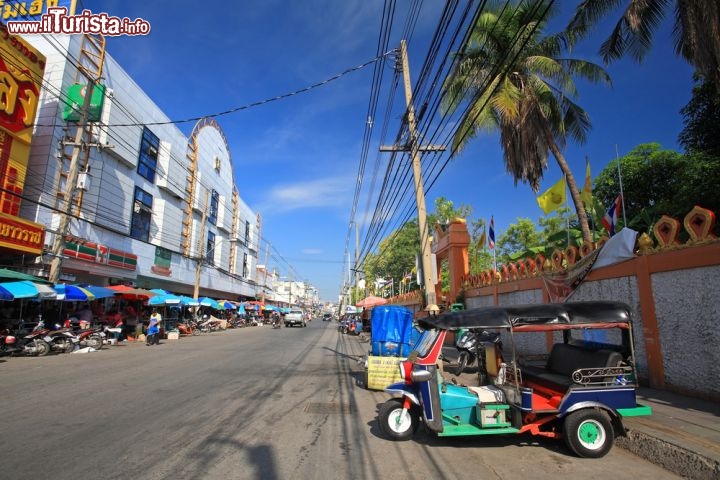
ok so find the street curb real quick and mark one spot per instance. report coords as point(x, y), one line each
point(669, 456)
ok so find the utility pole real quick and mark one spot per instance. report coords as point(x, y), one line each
point(70, 186)
point(357, 253)
point(264, 285)
point(198, 267)
point(415, 148)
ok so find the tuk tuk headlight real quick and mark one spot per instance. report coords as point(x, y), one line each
point(421, 375)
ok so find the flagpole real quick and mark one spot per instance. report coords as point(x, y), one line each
point(622, 196)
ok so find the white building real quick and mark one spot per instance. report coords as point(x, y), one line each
point(149, 202)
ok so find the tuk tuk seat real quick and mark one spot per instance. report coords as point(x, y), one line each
point(564, 360)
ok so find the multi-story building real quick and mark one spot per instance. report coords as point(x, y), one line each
point(149, 206)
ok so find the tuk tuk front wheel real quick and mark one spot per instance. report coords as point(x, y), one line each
point(395, 424)
point(589, 433)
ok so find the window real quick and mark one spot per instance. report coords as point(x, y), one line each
point(141, 215)
point(245, 265)
point(210, 248)
point(147, 161)
point(214, 207)
point(247, 233)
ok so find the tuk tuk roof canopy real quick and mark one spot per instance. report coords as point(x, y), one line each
point(542, 317)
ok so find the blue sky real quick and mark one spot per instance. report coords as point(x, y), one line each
point(296, 159)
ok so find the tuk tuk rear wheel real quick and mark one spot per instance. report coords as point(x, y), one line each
point(589, 433)
point(394, 424)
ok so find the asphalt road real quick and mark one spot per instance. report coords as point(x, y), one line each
point(243, 404)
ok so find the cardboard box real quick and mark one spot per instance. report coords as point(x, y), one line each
point(382, 371)
point(173, 335)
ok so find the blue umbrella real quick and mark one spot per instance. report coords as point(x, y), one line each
point(99, 292)
point(209, 302)
point(160, 291)
point(73, 293)
point(16, 290)
point(167, 299)
point(189, 302)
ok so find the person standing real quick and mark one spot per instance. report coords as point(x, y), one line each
point(153, 331)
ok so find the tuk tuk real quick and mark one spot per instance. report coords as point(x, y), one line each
point(580, 392)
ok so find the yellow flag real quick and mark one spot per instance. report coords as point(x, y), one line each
point(586, 194)
point(554, 198)
point(481, 242)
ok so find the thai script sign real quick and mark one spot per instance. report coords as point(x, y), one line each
point(19, 234)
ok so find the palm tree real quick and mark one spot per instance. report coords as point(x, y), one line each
point(508, 78)
point(696, 32)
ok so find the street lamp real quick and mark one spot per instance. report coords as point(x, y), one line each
point(201, 259)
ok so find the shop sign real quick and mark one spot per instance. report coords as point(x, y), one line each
point(21, 74)
point(76, 99)
point(163, 260)
point(19, 234)
point(99, 254)
point(19, 10)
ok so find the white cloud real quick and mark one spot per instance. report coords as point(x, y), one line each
point(331, 192)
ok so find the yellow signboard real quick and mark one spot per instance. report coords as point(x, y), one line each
point(31, 10)
point(383, 371)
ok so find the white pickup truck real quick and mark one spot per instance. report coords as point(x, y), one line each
point(295, 317)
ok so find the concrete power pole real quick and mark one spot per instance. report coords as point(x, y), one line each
point(70, 186)
point(357, 253)
point(415, 148)
point(201, 247)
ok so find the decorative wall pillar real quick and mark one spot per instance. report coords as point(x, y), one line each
point(453, 243)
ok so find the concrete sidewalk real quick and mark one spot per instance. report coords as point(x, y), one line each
point(682, 435)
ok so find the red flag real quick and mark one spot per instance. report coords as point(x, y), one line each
point(610, 219)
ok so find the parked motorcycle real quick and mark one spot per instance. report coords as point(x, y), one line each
point(61, 340)
point(8, 343)
point(33, 343)
point(91, 337)
point(471, 347)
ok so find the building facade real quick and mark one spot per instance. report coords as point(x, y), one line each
point(148, 205)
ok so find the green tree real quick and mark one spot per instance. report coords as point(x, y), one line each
point(515, 81)
point(701, 117)
point(657, 182)
point(696, 32)
point(396, 255)
point(445, 211)
point(521, 239)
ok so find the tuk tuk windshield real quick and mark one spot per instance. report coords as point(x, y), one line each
point(426, 342)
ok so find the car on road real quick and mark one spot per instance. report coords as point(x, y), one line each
point(327, 317)
point(295, 317)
